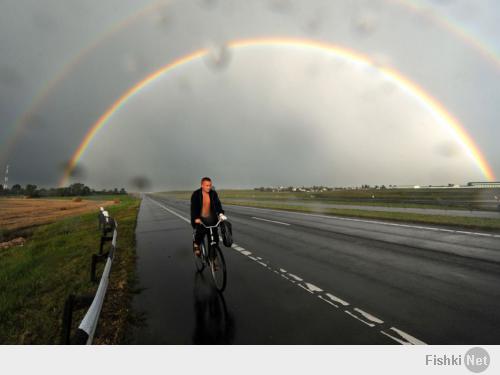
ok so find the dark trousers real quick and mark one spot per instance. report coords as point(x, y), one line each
point(200, 231)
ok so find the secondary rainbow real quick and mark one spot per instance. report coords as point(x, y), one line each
point(441, 115)
point(466, 35)
point(40, 98)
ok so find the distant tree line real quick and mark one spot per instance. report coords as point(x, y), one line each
point(73, 190)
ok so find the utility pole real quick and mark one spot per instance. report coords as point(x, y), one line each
point(6, 178)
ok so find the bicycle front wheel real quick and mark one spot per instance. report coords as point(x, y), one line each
point(218, 268)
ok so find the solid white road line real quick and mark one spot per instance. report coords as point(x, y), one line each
point(376, 222)
point(354, 312)
point(172, 212)
point(271, 221)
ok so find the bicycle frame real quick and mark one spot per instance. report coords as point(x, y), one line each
point(211, 229)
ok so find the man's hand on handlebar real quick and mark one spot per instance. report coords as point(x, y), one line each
point(222, 217)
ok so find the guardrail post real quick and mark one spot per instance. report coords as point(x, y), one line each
point(108, 226)
point(67, 319)
point(72, 303)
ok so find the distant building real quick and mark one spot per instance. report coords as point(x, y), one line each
point(495, 184)
point(404, 186)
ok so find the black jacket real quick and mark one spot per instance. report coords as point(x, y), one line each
point(196, 204)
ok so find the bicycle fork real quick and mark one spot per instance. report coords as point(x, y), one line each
point(212, 243)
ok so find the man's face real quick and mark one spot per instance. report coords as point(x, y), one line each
point(206, 186)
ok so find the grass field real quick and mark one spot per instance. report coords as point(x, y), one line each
point(20, 213)
point(448, 198)
point(35, 279)
point(477, 199)
point(96, 197)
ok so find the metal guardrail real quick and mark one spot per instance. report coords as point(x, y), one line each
point(86, 329)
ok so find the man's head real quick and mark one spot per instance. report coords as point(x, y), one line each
point(206, 184)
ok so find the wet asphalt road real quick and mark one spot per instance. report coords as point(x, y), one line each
point(310, 279)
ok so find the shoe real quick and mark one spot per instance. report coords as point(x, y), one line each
point(196, 249)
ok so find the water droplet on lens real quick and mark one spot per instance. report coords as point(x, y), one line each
point(218, 57)
point(207, 4)
point(314, 23)
point(280, 6)
point(142, 183)
point(364, 23)
point(78, 171)
point(163, 18)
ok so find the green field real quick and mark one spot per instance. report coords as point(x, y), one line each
point(406, 198)
point(477, 199)
point(36, 279)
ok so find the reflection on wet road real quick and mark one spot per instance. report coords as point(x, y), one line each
point(214, 322)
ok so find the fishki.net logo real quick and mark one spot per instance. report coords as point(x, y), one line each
point(475, 360)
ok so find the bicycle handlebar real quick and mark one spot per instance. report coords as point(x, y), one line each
point(211, 226)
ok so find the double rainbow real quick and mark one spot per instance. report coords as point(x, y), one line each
point(440, 114)
point(467, 36)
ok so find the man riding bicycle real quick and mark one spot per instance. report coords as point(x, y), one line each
point(206, 208)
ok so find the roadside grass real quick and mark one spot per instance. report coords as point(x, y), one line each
point(352, 203)
point(35, 279)
point(443, 220)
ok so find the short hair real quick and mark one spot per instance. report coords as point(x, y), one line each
point(206, 179)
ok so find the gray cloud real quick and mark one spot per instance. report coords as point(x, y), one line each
point(274, 130)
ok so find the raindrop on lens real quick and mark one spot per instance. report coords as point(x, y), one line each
point(218, 57)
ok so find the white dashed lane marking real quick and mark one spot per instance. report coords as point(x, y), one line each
point(338, 303)
point(270, 221)
point(337, 299)
point(404, 338)
point(295, 277)
point(369, 316)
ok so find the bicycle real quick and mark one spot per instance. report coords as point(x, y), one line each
point(210, 254)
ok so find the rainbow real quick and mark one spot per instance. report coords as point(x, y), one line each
point(40, 98)
point(485, 50)
point(466, 36)
point(440, 114)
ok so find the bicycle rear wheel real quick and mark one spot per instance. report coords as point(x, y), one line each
point(199, 260)
point(219, 274)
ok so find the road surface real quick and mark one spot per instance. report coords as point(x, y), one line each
point(298, 278)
